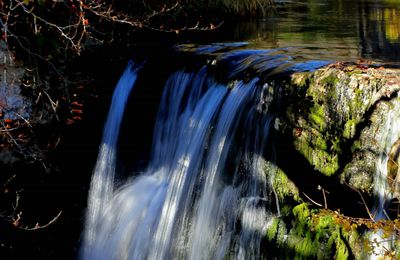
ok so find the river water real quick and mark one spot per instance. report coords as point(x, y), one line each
point(344, 30)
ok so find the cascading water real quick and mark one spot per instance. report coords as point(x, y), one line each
point(204, 194)
point(102, 183)
point(387, 137)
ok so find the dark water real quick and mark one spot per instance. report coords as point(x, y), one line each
point(344, 30)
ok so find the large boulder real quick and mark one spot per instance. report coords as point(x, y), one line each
point(336, 115)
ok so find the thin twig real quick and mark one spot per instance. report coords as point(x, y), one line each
point(362, 198)
point(387, 216)
point(316, 203)
point(53, 104)
point(323, 194)
point(25, 120)
point(8, 181)
point(37, 226)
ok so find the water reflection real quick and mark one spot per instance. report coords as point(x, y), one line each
point(331, 29)
point(379, 25)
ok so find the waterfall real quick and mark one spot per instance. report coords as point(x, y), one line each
point(204, 194)
point(386, 137)
point(103, 176)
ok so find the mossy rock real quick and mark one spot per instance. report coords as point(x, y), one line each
point(313, 145)
point(312, 235)
point(284, 188)
point(333, 117)
point(369, 148)
point(327, 108)
point(359, 172)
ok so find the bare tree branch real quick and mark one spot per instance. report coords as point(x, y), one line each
point(38, 226)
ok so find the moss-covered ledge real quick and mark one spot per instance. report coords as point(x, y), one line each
point(333, 118)
point(328, 108)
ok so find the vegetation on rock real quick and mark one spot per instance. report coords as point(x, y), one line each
point(334, 117)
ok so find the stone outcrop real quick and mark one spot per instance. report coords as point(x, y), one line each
point(334, 118)
point(338, 112)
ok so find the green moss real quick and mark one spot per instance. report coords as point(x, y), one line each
point(324, 222)
point(330, 80)
point(355, 71)
point(327, 163)
point(326, 108)
point(356, 146)
point(272, 229)
point(318, 236)
point(349, 129)
point(317, 117)
point(357, 106)
point(286, 210)
point(314, 149)
point(301, 239)
point(281, 235)
point(310, 236)
point(359, 173)
point(284, 187)
point(323, 161)
point(306, 247)
point(342, 252)
point(276, 233)
point(335, 145)
point(320, 143)
point(302, 213)
point(301, 79)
